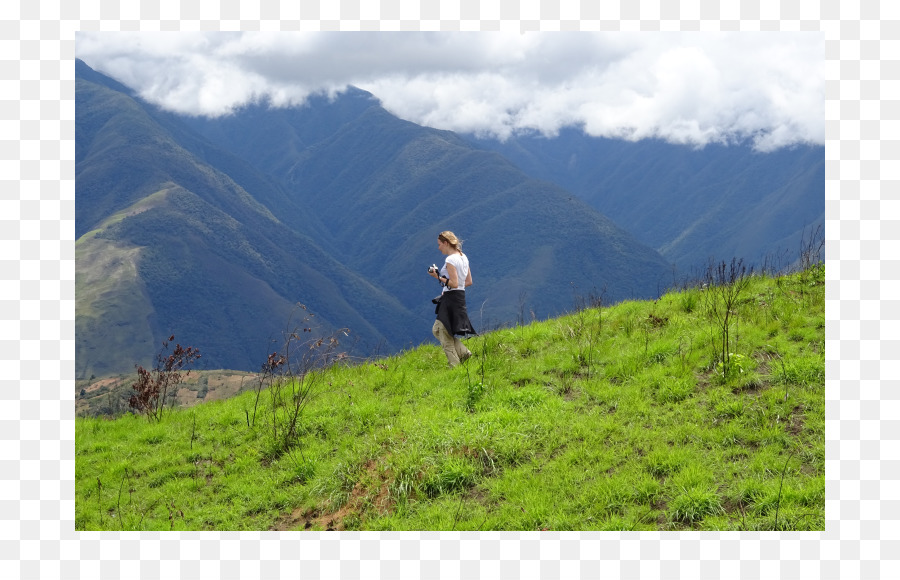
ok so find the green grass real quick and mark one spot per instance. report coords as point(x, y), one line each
point(620, 418)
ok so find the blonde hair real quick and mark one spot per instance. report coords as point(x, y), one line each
point(451, 239)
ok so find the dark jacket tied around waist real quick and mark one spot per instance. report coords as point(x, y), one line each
point(451, 311)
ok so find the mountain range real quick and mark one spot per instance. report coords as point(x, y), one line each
point(215, 229)
point(691, 204)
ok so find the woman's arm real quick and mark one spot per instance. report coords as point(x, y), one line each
point(452, 280)
point(469, 278)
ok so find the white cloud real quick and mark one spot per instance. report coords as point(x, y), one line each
point(692, 88)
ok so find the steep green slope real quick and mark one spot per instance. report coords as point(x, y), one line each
point(110, 300)
point(620, 418)
point(209, 262)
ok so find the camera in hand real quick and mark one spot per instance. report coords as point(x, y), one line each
point(433, 269)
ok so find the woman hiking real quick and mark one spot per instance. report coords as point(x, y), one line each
point(452, 317)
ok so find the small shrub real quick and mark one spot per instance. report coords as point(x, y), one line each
point(152, 386)
point(738, 364)
point(725, 283)
point(474, 392)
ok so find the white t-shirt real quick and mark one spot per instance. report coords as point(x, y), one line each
point(461, 263)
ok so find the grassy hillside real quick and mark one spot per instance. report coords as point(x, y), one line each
point(612, 418)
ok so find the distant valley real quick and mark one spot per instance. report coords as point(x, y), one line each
point(214, 230)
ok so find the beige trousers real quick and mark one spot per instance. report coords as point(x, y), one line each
point(455, 350)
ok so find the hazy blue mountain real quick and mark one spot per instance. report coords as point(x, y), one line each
point(690, 204)
point(213, 229)
point(166, 244)
point(384, 188)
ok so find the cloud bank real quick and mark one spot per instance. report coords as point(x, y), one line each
point(690, 88)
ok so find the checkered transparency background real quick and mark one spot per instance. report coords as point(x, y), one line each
point(37, 306)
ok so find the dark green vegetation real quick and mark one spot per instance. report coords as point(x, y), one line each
point(622, 417)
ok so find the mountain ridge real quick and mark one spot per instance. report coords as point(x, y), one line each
point(335, 205)
point(719, 202)
point(179, 237)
